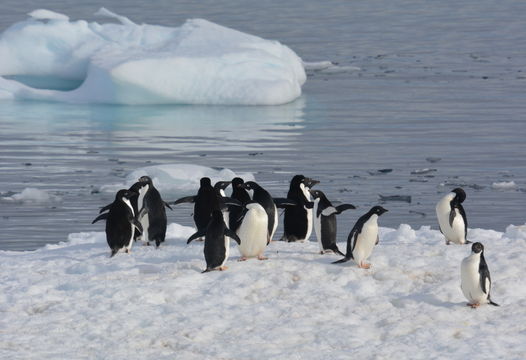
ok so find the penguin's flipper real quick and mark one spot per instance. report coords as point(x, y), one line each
point(335, 249)
point(230, 201)
point(463, 214)
point(136, 223)
point(377, 239)
point(141, 213)
point(344, 260)
point(167, 205)
point(100, 217)
point(186, 199)
point(485, 280)
point(282, 203)
point(105, 208)
point(452, 215)
point(232, 235)
point(198, 234)
point(341, 208)
point(309, 204)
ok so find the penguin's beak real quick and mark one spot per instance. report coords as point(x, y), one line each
point(311, 182)
point(383, 211)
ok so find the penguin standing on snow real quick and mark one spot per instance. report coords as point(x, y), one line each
point(263, 198)
point(363, 238)
point(253, 232)
point(297, 219)
point(152, 212)
point(217, 245)
point(475, 281)
point(452, 217)
point(325, 221)
point(203, 203)
point(120, 222)
point(236, 212)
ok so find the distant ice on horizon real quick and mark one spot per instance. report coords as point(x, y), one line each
point(48, 57)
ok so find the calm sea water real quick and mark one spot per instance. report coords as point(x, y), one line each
point(440, 86)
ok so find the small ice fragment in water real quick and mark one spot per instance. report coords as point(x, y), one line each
point(422, 171)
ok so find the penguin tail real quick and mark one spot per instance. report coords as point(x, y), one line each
point(492, 303)
point(113, 252)
point(206, 270)
point(344, 260)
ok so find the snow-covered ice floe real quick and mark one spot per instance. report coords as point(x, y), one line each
point(177, 178)
point(156, 304)
point(49, 57)
point(504, 185)
point(31, 195)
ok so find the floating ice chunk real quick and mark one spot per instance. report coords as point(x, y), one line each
point(197, 63)
point(328, 67)
point(32, 195)
point(177, 178)
point(43, 14)
point(504, 185)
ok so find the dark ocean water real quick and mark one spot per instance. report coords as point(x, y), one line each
point(440, 86)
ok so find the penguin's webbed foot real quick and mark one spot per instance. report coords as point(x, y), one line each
point(363, 265)
point(223, 268)
point(261, 257)
point(473, 306)
point(242, 258)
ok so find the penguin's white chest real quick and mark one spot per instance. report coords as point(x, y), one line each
point(132, 233)
point(455, 232)
point(309, 211)
point(470, 280)
point(253, 232)
point(366, 240)
point(317, 224)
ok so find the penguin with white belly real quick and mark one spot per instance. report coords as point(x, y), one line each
point(363, 238)
point(217, 244)
point(452, 217)
point(253, 232)
point(475, 280)
point(325, 221)
point(120, 222)
point(297, 220)
point(263, 198)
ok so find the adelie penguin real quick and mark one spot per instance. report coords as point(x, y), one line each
point(452, 217)
point(220, 187)
point(120, 222)
point(297, 221)
point(253, 232)
point(325, 221)
point(217, 245)
point(363, 238)
point(475, 280)
point(263, 198)
point(152, 212)
point(236, 212)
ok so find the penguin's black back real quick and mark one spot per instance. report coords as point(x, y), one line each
point(204, 202)
point(295, 222)
point(156, 214)
point(236, 212)
point(264, 199)
point(214, 248)
point(328, 231)
point(118, 227)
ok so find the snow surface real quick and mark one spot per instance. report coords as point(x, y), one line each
point(48, 57)
point(31, 195)
point(72, 301)
point(177, 178)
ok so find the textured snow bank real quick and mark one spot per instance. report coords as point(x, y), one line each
point(48, 57)
point(177, 178)
point(155, 303)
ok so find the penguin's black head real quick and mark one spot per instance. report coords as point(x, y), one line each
point(145, 179)
point(221, 185)
point(378, 210)
point(205, 181)
point(460, 194)
point(124, 193)
point(300, 179)
point(135, 187)
point(237, 182)
point(250, 185)
point(317, 194)
point(477, 247)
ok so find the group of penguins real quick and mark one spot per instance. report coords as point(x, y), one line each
point(250, 217)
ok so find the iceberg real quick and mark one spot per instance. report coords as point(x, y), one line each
point(49, 57)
